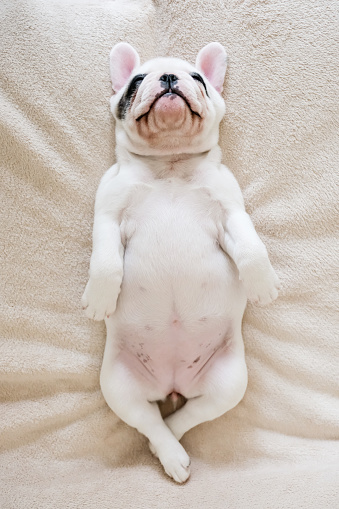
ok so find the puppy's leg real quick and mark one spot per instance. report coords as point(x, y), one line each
point(222, 388)
point(106, 269)
point(126, 398)
point(250, 256)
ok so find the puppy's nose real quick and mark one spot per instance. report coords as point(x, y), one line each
point(169, 79)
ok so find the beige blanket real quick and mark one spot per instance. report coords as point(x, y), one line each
point(61, 446)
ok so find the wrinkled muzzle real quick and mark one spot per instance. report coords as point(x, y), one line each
point(169, 94)
point(167, 102)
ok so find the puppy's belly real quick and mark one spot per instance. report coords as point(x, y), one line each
point(180, 298)
point(172, 358)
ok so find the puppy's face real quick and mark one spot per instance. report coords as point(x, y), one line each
point(167, 106)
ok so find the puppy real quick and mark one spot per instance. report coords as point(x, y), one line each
point(175, 255)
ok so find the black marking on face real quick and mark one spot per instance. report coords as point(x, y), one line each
point(197, 77)
point(125, 101)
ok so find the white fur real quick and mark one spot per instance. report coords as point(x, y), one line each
point(175, 256)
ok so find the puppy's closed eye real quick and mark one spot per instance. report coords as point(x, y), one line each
point(199, 78)
point(138, 79)
point(134, 84)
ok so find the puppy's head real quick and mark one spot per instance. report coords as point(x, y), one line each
point(166, 105)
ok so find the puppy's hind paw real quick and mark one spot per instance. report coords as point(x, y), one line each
point(178, 467)
point(175, 461)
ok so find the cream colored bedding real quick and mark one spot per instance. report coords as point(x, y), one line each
point(61, 446)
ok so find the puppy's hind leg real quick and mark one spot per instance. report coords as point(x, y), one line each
point(221, 389)
point(126, 398)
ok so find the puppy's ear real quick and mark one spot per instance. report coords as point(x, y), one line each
point(123, 60)
point(212, 62)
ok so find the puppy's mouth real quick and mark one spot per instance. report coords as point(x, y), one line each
point(171, 93)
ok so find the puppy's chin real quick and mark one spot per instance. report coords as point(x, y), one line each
point(169, 112)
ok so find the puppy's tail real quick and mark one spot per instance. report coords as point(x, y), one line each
point(174, 397)
point(171, 404)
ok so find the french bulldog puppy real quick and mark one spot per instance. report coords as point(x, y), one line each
point(175, 256)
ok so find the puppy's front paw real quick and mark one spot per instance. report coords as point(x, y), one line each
point(260, 281)
point(100, 297)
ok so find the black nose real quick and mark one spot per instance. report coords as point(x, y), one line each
point(169, 79)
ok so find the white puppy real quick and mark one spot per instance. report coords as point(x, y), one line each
point(175, 255)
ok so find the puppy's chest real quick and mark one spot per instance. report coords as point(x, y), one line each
point(170, 205)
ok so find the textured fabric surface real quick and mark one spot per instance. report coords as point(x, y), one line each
point(60, 445)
